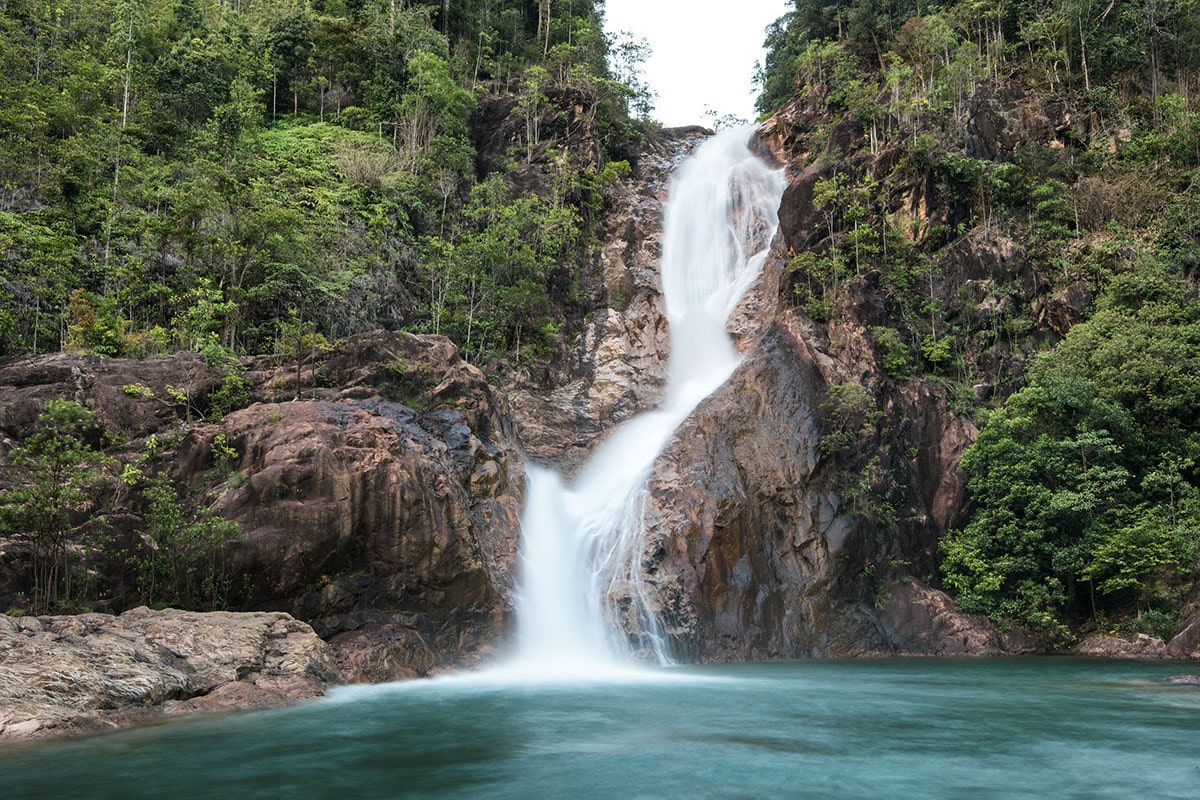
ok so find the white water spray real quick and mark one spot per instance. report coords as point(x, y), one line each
point(582, 605)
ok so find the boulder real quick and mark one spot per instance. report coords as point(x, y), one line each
point(924, 621)
point(1064, 309)
point(62, 675)
point(1182, 680)
point(1099, 645)
point(1186, 641)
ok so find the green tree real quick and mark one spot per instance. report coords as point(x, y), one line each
point(182, 557)
point(55, 478)
point(1048, 473)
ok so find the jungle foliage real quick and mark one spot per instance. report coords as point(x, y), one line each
point(190, 174)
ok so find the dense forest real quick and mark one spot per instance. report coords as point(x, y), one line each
point(1066, 132)
point(231, 176)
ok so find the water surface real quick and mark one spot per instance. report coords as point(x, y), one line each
point(890, 728)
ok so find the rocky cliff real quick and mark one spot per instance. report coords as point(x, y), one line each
point(616, 366)
point(786, 517)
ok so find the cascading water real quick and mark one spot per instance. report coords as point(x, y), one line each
point(582, 606)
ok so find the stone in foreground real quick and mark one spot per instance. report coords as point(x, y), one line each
point(91, 672)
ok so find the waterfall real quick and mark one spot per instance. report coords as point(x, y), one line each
point(582, 604)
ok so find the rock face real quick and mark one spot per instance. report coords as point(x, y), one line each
point(920, 620)
point(761, 541)
point(61, 675)
point(99, 383)
point(390, 500)
point(742, 533)
point(1186, 641)
point(757, 547)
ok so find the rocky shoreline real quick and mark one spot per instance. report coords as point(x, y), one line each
point(63, 676)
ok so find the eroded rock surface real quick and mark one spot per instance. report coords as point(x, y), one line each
point(1141, 645)
point(390, 500)
point(1186, 641)
point(743, 535)
point(617, 366)
point(921, 620)
point(61, 675)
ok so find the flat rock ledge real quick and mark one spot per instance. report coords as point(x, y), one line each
point(92, 672)
point(1099, 645)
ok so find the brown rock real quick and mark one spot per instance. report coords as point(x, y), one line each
point(1186, 641)
point(364, 502)
point(129, 396)
point(1064, 309)
point(60, 675)
point(383, 651)
point(616, 367)
point(394, 485)
point(920, 620)
point(800, 221)
point(744, 536)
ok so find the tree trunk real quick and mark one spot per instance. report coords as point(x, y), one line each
point(128, 73)
point(1087, 81)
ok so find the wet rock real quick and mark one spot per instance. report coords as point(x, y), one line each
point(616, 367)
point(61, 675)
point(743, 535)
point(381, 651)
point(1182, 680)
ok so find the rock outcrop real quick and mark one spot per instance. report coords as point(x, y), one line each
point(92, 672)
point(1186, 641)
point(616, 367)
point(375, 484)
point(389, 499)
point(761, 544)
point(920, 620)
point(744, 534)
point(1099, 645)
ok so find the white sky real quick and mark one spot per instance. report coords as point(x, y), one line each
point(704, 52)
